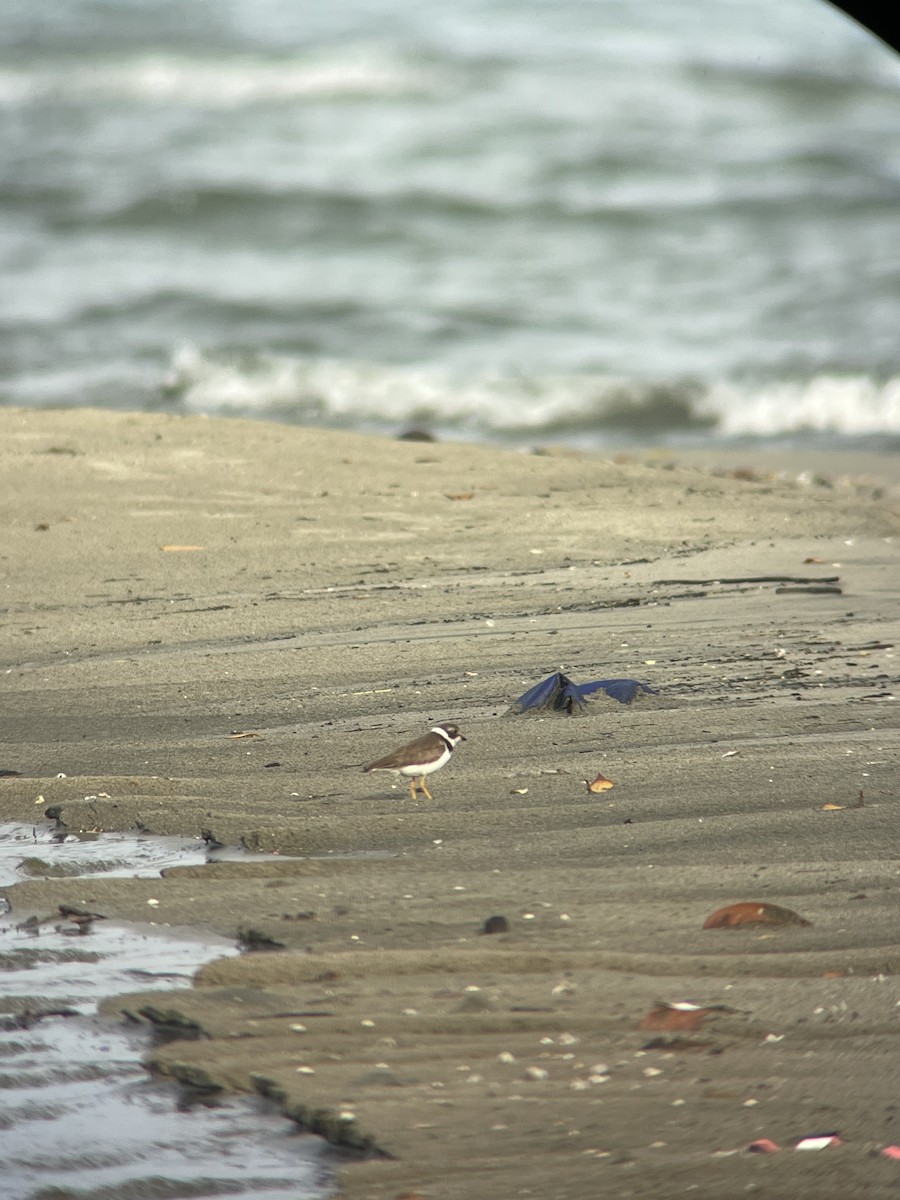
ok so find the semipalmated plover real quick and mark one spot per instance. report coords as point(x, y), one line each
point(419, 758)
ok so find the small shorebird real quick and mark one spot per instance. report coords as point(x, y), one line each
point(417, 759)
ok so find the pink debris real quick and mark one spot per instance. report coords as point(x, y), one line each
point(763, 1146)
point(891, 1152)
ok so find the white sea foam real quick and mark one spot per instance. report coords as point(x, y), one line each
point(221, 84)
point(342, 393)
point(852, 406)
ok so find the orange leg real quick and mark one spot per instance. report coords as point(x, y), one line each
point(425, 789)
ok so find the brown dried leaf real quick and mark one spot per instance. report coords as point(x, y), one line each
point(240, 734)
point(459, 495)
point(752, 912)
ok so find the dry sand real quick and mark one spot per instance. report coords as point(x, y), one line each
point(172, 582)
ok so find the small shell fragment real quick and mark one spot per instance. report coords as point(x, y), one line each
point(564, 988)
point(818, 1141)
point(670, 1017)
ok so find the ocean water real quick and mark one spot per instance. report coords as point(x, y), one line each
point(592, 221)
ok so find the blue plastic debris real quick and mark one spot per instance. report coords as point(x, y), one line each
point(561, 694)
point(623, 690)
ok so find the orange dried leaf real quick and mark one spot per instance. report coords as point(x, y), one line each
point(174, 548)
point(600, 784)
point(752, 912)
point(459, 495)
point(831, 807)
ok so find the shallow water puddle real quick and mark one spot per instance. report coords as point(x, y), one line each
point(79, 1117)
point(29, 850)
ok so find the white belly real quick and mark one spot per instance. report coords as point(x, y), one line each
point(416, 769)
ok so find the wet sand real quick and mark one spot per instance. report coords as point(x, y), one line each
point(172, 583)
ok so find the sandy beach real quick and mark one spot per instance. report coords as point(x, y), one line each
point(211, 625)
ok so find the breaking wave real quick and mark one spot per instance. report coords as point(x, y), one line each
point(387, 399)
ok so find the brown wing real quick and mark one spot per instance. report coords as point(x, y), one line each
point(412, 752)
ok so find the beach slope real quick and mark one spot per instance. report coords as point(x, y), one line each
point(210, 626)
